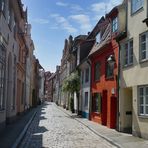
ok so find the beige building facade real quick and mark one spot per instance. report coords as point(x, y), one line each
point(133, 92)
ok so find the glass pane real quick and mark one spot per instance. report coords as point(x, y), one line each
point(131, 59)
point(136, 5)
point(143, 56)
point(146, 109)
point(141, 100)
point(146, 100)
point(146, 90)
point(143, 47)
point(141, 91)
point(143, 38)
point(86, 99)
point(141, 110)
point(97, 71)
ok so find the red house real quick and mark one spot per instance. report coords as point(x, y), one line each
point(104, 70)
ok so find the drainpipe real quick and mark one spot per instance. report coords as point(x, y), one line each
point(90, 96)
point(118, 88)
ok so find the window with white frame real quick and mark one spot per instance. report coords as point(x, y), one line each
point(128, 53)
point(86, 75)
point(143, 100)
point(98, 38)
point(144, 46)
point(2, 76)
point(115, 24)
point(86, 100)
point(136, 5)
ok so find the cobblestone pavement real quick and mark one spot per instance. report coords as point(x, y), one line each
point(52, 128)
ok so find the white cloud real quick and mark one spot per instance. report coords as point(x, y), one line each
point(61, 4)
point(63, 23)
point(76, 8)
point(101, 8)
point(83, 21)
point(40, 21)
point(97, 7)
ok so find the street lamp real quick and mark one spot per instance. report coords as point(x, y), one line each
point(111, 60)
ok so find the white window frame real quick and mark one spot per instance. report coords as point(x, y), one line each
point(136, 5)
point(127, 53)
point(144, 105)
point(146, 46)
point(115, 24)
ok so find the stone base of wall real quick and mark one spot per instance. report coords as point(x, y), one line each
point(11, 119)
point(85, 115)
point(141, 135)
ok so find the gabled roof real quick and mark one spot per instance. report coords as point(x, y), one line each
point(106, 39)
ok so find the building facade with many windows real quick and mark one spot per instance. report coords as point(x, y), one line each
point(104, 68)
point(133, 106)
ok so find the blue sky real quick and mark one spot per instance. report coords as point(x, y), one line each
point(54, 20)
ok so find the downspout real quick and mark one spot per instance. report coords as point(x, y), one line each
point(118, 87)
point(90, 93)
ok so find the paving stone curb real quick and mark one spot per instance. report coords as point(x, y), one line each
point(94, 131)
point(18, 140)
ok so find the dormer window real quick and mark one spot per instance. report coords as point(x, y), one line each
point(136, 5)
point(98, 38)
point(115, 24)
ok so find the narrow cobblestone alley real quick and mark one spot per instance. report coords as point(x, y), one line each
point(54, 129)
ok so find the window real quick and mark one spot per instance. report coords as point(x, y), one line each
point(115, 24)
point(136, 5)
point(86, 100)
point(98, 38)
point(97, 102)
point(2, 77)
point(143, 100)
point(82, 77)
point(109, 70)
point(144, 46)
point(86, 75)
point(128, 53)
point(14, 84)
point(2, 5)
point(22, 95)
point(97, 71)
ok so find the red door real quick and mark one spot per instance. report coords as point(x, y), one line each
point(104, 107)
point(113, 112)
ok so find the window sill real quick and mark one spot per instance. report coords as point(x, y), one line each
point(143, 61)
point(96, 81)
point(109, 77)
point(127, 66)
point(143, 116)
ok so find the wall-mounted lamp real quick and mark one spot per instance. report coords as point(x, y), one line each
point(111, 60)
